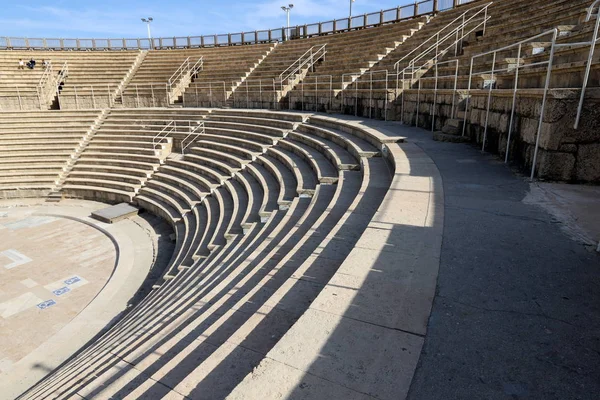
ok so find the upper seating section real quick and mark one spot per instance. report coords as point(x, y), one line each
point(224, 67)
point(99, 71)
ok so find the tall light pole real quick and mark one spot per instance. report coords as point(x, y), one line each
point(287, 11)
point(351, 1)
point(148, 21)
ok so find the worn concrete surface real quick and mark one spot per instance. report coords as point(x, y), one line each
point(517, 311)
point(577, 207)
point(112, 260)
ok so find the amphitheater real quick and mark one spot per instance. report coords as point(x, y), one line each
point(353, 209)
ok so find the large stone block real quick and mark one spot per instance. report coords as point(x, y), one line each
point(588, 163)
point(556, 166)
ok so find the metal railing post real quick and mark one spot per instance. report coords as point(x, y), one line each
point(76, 98)
point(356, 83)
point(468, 100)
point(455, 93)
point(418, 103)
point(514, 100)
point(371, 96)
point(434, 98)
point(93, 97)
point(489, 102)
point(587, 69)
point(544, 98)
point(330, 92)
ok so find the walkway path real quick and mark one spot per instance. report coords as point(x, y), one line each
point(517, 311)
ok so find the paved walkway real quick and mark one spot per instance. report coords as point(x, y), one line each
point(71, 295)
point(517, 311)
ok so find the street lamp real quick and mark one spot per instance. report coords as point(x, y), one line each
point(287, 11)
point(148, 21)
point(351, 1)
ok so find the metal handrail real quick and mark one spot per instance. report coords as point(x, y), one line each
point(182, 76)
point(439, 53)
point(179, 72)
point(590, 11)
point(588, 67)
point(549, 63)
point(452, 33)
point(163, 134)
point(255, 37)
point(193, 132)
point(297, 65)
point(45, 78)
point(437, 35)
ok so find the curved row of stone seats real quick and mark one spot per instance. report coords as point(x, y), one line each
point(245, 294)
point(100, 71)
point(118, 159)
point(36, 148)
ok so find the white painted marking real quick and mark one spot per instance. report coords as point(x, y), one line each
point(29, 283)
point(19, 304)
point(16, 257)
point(72, 282)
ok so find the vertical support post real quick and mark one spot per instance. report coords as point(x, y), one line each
point(356, 83)
point(302, 96)
point(544, 99)
point(489, 102)
point(371, 95)
point(455, 92)
point(468, 100)
point(434, 97)
point(587, 70)
point(342, 97)
point(109, 94)
point(418, 103)
point(76, 98)
point(93, 97)
point(514, 101)
point(330, 92)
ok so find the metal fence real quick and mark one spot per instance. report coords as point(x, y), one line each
point(391, 15)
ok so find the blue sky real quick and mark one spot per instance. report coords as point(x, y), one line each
point(117, 19)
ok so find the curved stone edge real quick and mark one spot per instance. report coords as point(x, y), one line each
point(134, 260)
point(362, 336)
